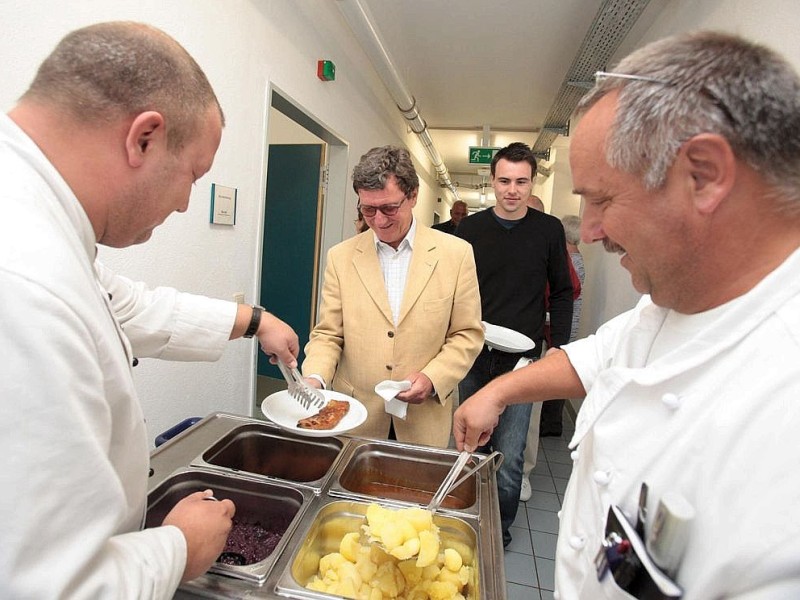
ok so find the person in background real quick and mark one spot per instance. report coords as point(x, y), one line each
point(117, 125)
point(536, 203)
point(518, 253)
point(360, 223)
point(572, 231)
point(687, 158)
point(531, 454)
point(400, 304)
point(551, 423)
point(457, 212)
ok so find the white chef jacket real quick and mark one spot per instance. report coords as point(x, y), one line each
point(717, 419)
point(72, 435)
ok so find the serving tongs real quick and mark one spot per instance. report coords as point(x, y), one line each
point(450, 483)
point(307, 396)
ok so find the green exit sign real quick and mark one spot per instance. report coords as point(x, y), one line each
point(481, 156)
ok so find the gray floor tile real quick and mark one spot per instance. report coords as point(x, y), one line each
point(521, 520)
point(520, 569)
point(544, 544)
point(540, 483)
point(520, 540)
point(545, 569)
point(515, 591)
point(561, 485)
point(559, 456)
point(555, 443)
point(545, 501)
point(541, 468)
point(543, 520)
point(559, 470)
point(546, 595)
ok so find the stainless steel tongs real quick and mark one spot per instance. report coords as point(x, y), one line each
point(450, 483)
point(307, 396)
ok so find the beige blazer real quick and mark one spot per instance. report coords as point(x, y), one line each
point(356, 344)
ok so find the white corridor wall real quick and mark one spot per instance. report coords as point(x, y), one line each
point(244, 46)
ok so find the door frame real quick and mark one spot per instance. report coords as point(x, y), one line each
point(334, 187)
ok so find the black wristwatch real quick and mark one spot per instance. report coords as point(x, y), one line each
point(255, 321)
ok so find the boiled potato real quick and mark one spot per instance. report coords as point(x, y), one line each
point(331, 561)
point(349, 546)
point(408, 549)
point(420, 518)
point(464, 550)
point(428, 548)
point(452, 559)
point(411, 572)
point(442, 590)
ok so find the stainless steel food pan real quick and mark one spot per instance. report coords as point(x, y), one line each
point(322, 532)
point(275, 507)
point(402, 472)
point(259, 449)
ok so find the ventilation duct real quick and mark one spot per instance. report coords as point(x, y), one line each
point(612, 23)
point(366, 33)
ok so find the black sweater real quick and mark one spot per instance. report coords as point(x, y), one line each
point(514, 267)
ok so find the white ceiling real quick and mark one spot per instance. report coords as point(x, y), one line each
point(472, 64)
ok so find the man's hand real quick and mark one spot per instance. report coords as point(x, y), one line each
point(278, 340)
point(421, 389)
point(475, 420)
point(205, 524)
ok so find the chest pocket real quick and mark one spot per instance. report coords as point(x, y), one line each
point(438, 305)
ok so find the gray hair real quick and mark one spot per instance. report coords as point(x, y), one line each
point(118, 69)
point(705, 82)
point(378, 164)
point(572, 228)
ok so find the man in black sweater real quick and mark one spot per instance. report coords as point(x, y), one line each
point(518, 251)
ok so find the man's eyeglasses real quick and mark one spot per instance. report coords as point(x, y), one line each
point(389, 210)
point(703, 91)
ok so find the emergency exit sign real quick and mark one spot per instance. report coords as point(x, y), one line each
point(481, 156)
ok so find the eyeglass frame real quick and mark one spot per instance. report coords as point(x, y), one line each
point(388, 210)
point(703, 90)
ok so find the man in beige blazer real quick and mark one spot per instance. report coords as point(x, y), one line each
point(399, 302)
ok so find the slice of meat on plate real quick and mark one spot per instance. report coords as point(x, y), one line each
point(328, 418)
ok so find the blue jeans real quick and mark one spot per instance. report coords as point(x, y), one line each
point(508, 437)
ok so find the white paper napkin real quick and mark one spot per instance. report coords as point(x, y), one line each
point(387, 390)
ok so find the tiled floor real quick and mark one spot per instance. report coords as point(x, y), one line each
point(529, 559)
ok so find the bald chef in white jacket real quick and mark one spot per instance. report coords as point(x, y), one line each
point(687, 158)
point(107, 142)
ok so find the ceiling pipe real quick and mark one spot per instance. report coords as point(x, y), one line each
point(366, 32)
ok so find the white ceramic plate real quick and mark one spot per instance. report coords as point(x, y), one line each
point(505, 339)
point(285, 411)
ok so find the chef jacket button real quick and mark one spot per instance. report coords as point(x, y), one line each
point(135, 361)
point(671, 400)
point(110, 297)
point(558, 514)
point(602, 477)
point(574, 455)
point(390, 334)
point(577, 542)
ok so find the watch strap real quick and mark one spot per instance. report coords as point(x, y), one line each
point(255, 321)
